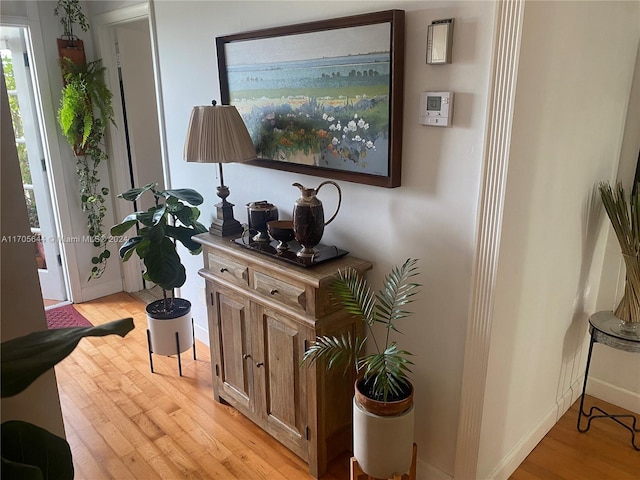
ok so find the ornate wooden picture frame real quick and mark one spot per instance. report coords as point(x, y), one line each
point(322, 98)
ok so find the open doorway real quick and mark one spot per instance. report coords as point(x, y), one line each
point(125, 44)
point(139, 103)
point(26, 115)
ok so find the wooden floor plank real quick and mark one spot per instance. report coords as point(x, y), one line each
point(105, 456)
point(85, 464)
point(123, 422)
point(138, 466)
point(181, 460)
point(602, 453)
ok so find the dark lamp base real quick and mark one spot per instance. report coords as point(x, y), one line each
point(224, 224)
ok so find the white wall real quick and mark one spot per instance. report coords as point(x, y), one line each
point(134, 42)
point(620, 386)
point(570, 111)
point(432, 216)
point(12, 8)
point(552, 252)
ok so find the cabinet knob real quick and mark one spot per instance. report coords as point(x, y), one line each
point(273, 291)
point(259, 364)
point(245, 356)
point(223, 269)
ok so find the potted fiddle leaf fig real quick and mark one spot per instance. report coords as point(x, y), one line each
point(383, 401)
point(173, 218)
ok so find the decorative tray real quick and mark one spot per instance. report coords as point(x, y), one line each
point(325, 252)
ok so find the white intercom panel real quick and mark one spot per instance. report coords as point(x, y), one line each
point(436, 108)
point(439, 41)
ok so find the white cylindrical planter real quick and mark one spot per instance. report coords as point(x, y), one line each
point(383, 446)
point(164, 326)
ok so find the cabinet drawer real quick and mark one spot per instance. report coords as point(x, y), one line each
point(229, 270)
point(286, 293)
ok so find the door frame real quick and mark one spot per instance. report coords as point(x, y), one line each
point(53, 160)
point(52, 281)
point(104, 26)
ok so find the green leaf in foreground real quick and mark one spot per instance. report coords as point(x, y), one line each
point(24, 359)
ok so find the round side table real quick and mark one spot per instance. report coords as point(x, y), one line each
point(603, 329)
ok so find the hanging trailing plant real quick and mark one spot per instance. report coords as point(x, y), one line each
point(84, 92)
point(85, 110)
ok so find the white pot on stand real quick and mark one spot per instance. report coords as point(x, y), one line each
point(383, 441)
point(170, 332)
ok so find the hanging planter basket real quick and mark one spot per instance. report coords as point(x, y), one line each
point(72, 49)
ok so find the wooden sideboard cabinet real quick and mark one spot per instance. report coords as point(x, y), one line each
point(263, 314)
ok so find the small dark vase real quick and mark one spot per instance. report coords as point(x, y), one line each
point(259, 213)
point(308, 218)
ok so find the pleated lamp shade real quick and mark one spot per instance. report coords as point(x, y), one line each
point(217, 134)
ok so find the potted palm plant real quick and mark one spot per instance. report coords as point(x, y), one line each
point(383, 401)
point(173, 218)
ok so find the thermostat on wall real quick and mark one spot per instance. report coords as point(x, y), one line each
point(436, 108)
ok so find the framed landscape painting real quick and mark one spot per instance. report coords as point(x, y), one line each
point(322, 98)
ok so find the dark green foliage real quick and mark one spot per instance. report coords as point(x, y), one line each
point(385, 371)
point(71, 13)
point(32, 453)
point(26, 358)
point(159, 228)
point(28, 451)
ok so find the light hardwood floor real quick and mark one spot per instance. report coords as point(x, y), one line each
point(123, 422)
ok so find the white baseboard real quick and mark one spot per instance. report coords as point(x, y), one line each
point(614, 394)
point(98, 290)
point(201, 334)
point(524, 447)
point(426, 471)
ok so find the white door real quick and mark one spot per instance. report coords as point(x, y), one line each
point(24, 111)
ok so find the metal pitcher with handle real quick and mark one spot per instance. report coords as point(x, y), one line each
point(308, 218)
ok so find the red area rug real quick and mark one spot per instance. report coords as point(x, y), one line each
point(65, 317)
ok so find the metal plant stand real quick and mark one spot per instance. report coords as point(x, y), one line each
point(193, 334)
point(603, 329)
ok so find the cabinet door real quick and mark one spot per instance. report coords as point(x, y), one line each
point(231, 339)
point(281, 383)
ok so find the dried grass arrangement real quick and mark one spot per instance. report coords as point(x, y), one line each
point(625, 220)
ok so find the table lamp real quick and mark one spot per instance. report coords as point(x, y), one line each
point(217, 134)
